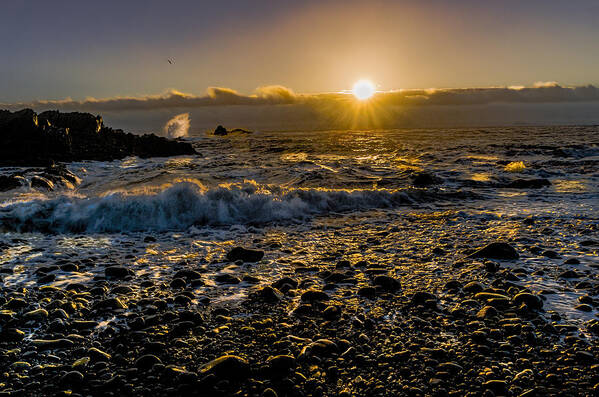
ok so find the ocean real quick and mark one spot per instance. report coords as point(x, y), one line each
point(415, 203)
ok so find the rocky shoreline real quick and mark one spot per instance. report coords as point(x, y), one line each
point(31, 139)
point(335, 323)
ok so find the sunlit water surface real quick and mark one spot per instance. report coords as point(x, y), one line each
point(318, 196)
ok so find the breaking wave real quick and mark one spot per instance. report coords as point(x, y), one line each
point(185, 204)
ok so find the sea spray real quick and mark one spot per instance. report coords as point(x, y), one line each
point(178, 126)
point(185, 204)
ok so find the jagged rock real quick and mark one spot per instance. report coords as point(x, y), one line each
point(10, 182)
point(76, 121)
point(59, 174)
point(20, 122)
point(30, 139)
point(41, 183)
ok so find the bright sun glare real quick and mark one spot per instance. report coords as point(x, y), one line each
point(363, 89)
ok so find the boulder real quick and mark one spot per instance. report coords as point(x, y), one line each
point(496, 250)
point(10, 182)
point(387, 283)
point(246, 255)
point(314, 296)
point(147, 361)
point(227, 367)
point(533, 302)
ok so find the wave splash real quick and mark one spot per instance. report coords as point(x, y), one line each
point(178, 126)
point(185, 204)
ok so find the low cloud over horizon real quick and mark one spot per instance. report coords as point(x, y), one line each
point(541, 92)
point(278, 108)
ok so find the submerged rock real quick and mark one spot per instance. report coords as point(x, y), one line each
point(27, 138)
point(528, 183)
point(268, 294)
point(426, 179)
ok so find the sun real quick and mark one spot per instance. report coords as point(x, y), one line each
point(363, 89)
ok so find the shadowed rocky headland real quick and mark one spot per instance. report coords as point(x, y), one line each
point(31, 139)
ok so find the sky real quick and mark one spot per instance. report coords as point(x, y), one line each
point(77, 49)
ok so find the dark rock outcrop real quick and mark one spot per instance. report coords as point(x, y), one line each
point(48, 178)
point(9, 182)
point(222, 131)
point(27, 138)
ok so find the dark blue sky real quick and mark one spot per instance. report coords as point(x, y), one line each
point(55, 49)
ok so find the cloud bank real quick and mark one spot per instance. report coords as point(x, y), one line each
point(278, 108)
point(541, 92)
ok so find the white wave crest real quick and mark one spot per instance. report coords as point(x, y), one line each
point(186, 204)
point(178, 126)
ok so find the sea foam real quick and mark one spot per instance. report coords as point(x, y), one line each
point(185, 204)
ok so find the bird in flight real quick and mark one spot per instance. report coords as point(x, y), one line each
point(169, 61)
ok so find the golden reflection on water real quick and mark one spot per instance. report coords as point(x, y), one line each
point(13, 252)
point(481, 177)
point(569, 186)
point(130, 162)
point(294, 157)
point(179, 162)
point(483, 157)
point(84, 242)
